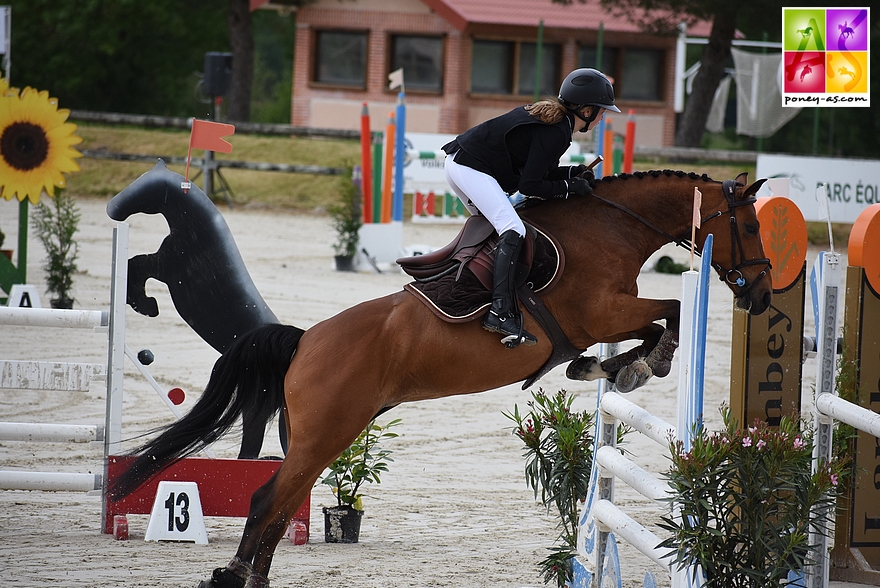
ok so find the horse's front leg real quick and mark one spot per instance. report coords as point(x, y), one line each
point(633, 368)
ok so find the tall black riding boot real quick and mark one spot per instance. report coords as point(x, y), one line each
point(505, 317)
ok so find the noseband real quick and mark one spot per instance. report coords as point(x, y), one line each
point(733, 276)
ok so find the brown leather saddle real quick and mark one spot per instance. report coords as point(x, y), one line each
point(455, 282)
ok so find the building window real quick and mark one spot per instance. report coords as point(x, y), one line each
point(635, 73)
point(640, 73)
point(421, 59)
point(587, 58)
point(549, 84)
point(341, 58)
point(491, 67)
point(508, 67)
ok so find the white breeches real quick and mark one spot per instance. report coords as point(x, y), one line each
point(480, 193)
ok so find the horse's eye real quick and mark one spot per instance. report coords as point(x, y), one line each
point(751, 229)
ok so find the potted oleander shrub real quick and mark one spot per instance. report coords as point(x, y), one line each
point(55, 224)
point(558, 447)
point(361, 463)
point(346, 215)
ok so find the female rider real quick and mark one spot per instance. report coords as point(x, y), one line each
point(520, 150)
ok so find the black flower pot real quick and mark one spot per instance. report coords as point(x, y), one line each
point(344, 263)
point(342, 524)
point(61, 303)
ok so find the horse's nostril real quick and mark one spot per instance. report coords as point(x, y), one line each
point(767, 299)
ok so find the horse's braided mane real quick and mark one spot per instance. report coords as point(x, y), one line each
point(656, 174)
point(531, 202)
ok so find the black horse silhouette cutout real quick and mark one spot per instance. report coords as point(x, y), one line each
point(205, 274)
point(845, 31)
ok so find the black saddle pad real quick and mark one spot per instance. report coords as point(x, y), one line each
point(459, 296)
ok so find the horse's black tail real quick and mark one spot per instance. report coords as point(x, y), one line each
point(248, 376)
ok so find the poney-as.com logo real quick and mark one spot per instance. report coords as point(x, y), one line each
point(826, 56)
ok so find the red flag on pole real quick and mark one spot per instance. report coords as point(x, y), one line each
point(209, 136)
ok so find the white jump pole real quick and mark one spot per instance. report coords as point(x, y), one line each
point(51, 433)
point(849, 413)
point(52, 481)
point(52, 317)
point(634, 415)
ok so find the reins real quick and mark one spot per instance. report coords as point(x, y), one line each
point(732, 276)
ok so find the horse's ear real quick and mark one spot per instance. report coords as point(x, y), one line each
point(753, 189)
point(743, 179)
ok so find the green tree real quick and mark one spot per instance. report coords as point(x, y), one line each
point(117, 55)
point(142, 57)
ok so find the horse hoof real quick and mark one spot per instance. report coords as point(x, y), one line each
point(585, 369)
point(633, 376)
point(223, 578)
point(661, 369)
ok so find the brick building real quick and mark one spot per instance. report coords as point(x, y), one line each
point(468, 60)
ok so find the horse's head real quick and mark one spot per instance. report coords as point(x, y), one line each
point(738, 253)
point(156, 191)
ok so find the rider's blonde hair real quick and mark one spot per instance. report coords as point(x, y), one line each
point(549, 111)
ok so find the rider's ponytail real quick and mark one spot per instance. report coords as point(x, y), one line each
point(547, 111)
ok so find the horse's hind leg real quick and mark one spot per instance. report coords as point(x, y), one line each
point(267, 521)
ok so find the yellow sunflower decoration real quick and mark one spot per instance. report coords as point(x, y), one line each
point(35, 144)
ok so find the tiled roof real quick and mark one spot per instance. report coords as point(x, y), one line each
point(577, 15)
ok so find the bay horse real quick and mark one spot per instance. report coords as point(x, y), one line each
point(339, 374)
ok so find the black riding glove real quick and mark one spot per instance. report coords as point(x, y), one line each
point(579, 187)
point(582, 171)
point(588, 175)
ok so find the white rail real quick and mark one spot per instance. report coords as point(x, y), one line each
point(51, 481)
point(51, 433)
point(612, 463)
point(627, 528)
point(52, 317)
point(640, 419)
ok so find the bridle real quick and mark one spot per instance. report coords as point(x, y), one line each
point(733, 276)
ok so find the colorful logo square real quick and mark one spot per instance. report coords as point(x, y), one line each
point(803, 29)
point(846, 72)
point(846, 29)
point(804, 71)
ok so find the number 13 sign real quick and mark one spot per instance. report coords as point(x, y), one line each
point(177, 514)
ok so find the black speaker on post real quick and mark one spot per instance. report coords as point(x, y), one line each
point(218, 73)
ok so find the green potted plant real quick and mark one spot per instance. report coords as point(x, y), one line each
point(559, 457)
point(360, 464)
point(748, 500)
point(347, 217)
point(55, 225)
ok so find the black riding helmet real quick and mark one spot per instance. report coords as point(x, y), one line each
point(586, 87)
